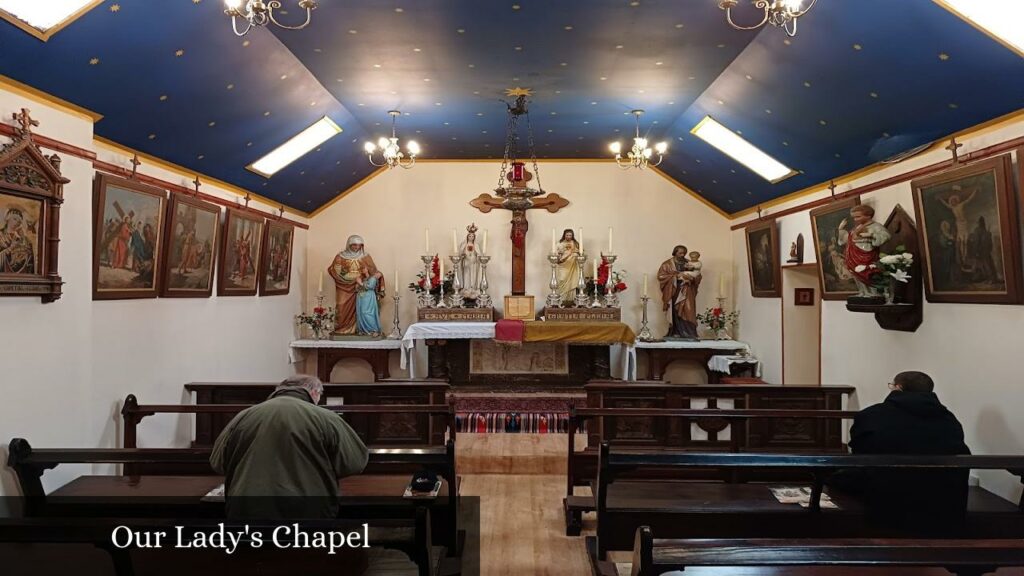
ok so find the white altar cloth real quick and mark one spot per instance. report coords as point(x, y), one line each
point(465, 330)
point(440, 331)
point(679, 345)
point(295, 349)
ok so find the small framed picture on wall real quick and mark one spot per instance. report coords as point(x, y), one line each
point(763, 260)
point(238, 272)
point(803, 296)
point(276, 265)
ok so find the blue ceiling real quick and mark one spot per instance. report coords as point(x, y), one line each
point(859, 83)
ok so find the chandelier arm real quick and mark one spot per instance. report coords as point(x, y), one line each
point(757, 4)
point(805, 10)
point(790, 32)
point(370, 157)
point(658, 163)
point(276, 4)
point(409, 164)
point(234, 26)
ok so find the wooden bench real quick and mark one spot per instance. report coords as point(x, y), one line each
point(395, 429)
point(607, 424)
point(720, 510)
point(150, 496)
point(409, 535)
point(652, 557)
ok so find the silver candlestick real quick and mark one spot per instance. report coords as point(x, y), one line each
point(484, 299)
point(396, 328)
point(554, 298)
point(425, 299)
point(611, 299)
point(456, 280)
point(581, 285)
point(645, 331)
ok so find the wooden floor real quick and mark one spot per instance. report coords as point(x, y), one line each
point(522, 530)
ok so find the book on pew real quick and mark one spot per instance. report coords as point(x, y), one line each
point(800, 495)
point(215, 495)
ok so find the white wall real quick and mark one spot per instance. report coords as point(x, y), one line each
point(69, 364)
point(801, 328)
point(649, 215)
point(970, 350)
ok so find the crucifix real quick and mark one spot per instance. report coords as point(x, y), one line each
point(954, 147)
point(135, 166)
point(26, 121)
point(517, 196)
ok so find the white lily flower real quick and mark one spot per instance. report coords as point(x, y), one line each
point(900, 276)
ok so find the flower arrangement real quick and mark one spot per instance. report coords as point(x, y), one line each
point(320, 321)
point(718, 319)
point(433, 286)
point(889, 270)
point(618, 280)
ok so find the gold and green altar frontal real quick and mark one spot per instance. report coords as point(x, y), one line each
point(580, 332)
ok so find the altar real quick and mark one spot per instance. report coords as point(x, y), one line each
point(559, 354)
point(330, 352)
point(662, 353)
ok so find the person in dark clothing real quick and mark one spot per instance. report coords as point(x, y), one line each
point(282, 458)
point(911, 420)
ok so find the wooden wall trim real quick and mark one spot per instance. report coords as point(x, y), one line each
point(85, 154)
point(979, 154)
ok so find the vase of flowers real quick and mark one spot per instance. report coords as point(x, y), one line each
point(600, 284)
point(320, 321)
point(718, 321)
point(429, 290)
point(894, 273)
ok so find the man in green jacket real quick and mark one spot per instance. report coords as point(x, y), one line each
point(282, 458)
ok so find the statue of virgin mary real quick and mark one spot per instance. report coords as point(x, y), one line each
point(470, 271)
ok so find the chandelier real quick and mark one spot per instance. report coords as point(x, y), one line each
point(390, 152)
point(257, 13)
point(639, 156)
point(780, 13)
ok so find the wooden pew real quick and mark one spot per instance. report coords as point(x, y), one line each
point(409, 535)
point(366, 419)
point(719, 510)
point(151, 496)
point(393, 430)
point(652, 557)
point(582, 465)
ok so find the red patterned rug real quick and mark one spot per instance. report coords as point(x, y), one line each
point(529, 412)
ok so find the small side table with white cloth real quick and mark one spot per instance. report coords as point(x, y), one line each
point(430, 331)
point(725, 364)
point(661, 354)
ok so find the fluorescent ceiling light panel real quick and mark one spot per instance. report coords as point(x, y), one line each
point(296, 147)
point(741, 151)
point(1000, 19)
point(43, 18)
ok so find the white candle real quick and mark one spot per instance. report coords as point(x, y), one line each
point(396, 281)
point(484, 249)
point(610, 240)
point(455, 242)
point(579, 238)
point(595, 269)
point(320, 289)
point(440, 262)
point(426, 240)
point(645, 284)
point(554, 244)
point(721, 285)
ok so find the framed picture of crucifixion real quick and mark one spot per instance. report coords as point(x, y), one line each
point(128, 247)
point(967, 229)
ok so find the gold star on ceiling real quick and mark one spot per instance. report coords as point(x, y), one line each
point(94, 61)
point(115, 7)
point(517, 91)
point(179, 53)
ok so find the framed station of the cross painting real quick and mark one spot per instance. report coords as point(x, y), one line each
point(128, 236)
point(763, 260)
point(238, 271)
point(835, 279)
point(967, 227)
point(276, 263)
point(191, 240)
